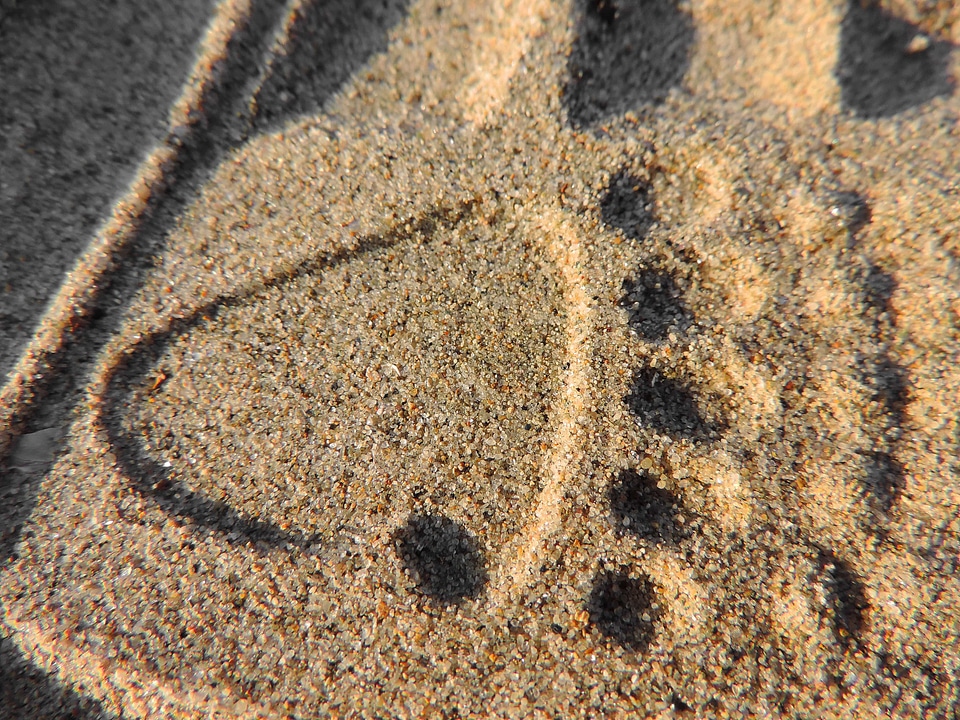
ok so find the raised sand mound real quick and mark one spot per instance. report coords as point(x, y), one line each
point(510, 360)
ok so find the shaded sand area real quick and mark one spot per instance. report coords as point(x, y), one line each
point(536, 359)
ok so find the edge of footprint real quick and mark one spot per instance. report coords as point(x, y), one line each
point(126, 372)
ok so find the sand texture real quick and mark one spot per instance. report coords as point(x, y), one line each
point(428, 358)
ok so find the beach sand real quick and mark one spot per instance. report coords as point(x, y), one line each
point(432, 359)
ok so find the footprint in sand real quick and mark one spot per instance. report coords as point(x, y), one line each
point(407, 385)
point(521, 448)
point(399, 399)
point(385, 422)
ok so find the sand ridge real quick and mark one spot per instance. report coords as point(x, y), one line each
point(592, 385)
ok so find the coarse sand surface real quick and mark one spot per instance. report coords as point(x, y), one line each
point(432, 358)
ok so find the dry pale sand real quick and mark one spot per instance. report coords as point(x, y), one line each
point(506, 359)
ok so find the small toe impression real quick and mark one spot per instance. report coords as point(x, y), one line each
point(621, 607)
point(845, 598)
point(667, 405)
point(442, 557)
point(884, 481)
point(628, 205)
point(642, 509)
point(655, 305)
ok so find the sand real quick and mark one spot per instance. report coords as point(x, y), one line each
point(441, 359)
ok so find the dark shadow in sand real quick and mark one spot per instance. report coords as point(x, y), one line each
point(884, 480)
point(157, 482)
point(28, 693)
point(621, 608)
point(668, 405)
point(889, 379)
point(879, 287)
point(627, 53)
point(880, 74)
point(627, 205)
point(892, 385)
point(655, 305)
point(854, 213)
point(226, 121)
point(327, 43)
point(639, 507)
point(846, 599)
point(443, 558)
point(84, 93)
point(40, 695)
